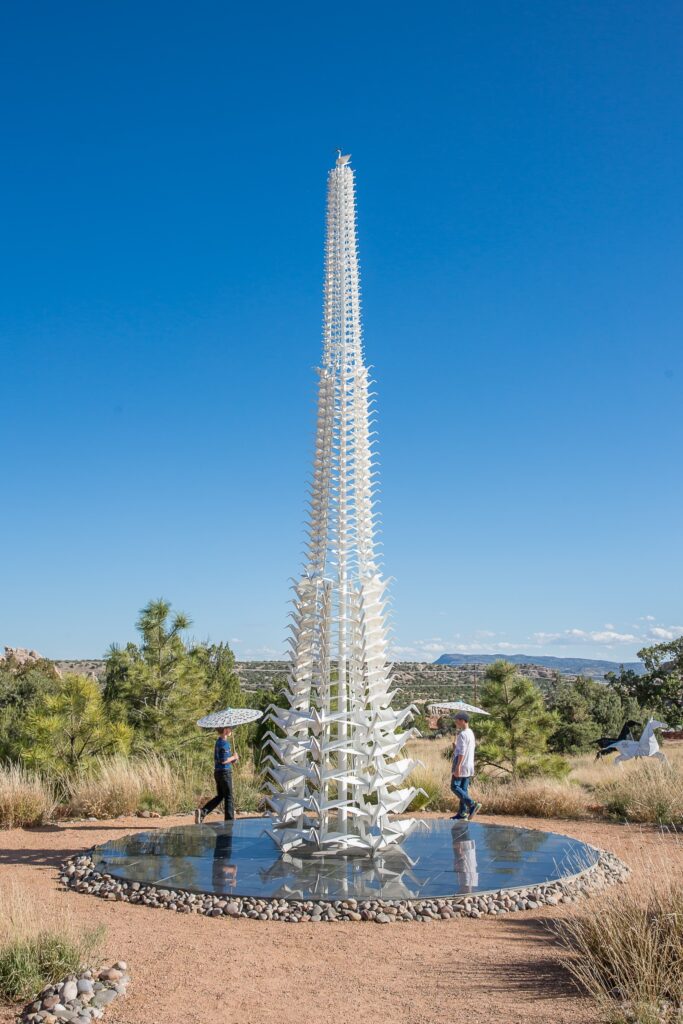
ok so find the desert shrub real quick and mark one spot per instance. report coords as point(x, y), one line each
point(25, 798)
point(33, 955)
point(647, 792)
point(627, 951)
point(536, 797)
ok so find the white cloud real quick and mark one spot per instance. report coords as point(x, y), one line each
point(609, 641)
point(666, 632)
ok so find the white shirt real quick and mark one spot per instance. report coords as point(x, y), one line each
point(464, 746)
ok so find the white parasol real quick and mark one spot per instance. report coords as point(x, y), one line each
point(228, 718)
point(447, 707)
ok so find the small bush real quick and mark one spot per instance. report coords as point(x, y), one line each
point(536, 798)
point(628, 952)
point(25, 798)
point(32, 955)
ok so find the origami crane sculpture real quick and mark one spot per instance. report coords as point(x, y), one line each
point(336, 774)
point(646, 746)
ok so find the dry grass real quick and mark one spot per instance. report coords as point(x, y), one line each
point(116, 786)
point(651, 793)
point(25, 798)
point(537, 798)
point(33, 954)
point(642, 791)
point(627, 952)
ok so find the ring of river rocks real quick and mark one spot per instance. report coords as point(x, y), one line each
point(80, 998)
point(78, 873)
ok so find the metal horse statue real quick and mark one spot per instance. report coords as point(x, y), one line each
point(646, 746)
point(606, 742)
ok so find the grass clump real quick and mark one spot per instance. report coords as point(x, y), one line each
point(535, 797)
point(116, 786)
point(25, 798)
point(649, 793)
point(628, 953)
point(33, 955)
point(436, 796)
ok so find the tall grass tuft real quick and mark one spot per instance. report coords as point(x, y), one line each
point(536, 798)
point(438, 795)
point(116, 786)
point(33, 954)
point(25, 798)
point(651, 793)
point(627, 951)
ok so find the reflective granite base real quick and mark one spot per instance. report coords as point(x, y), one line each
point(442, 858)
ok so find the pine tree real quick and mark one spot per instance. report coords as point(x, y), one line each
point(70, 725)
point(516, 734)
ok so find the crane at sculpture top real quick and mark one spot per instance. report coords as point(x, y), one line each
point(337, 776)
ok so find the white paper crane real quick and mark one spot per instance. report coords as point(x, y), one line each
point(646, 746)
point(336, 774)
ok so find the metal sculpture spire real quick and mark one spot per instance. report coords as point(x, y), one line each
point(336, 773)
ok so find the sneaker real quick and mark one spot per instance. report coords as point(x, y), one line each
point(460, 817)
point(199, 815)
point(475, 810)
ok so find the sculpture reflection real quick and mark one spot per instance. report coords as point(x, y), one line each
point(443, 859)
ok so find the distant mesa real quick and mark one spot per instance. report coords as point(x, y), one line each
point(567, 666)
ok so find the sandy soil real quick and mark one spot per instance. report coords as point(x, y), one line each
point(197, 970)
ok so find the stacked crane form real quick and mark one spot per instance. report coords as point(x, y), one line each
point(336, 774)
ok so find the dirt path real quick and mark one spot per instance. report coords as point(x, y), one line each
point(195, 970)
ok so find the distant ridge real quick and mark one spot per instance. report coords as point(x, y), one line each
point(570, 666)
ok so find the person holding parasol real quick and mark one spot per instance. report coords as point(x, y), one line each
point(224, 757)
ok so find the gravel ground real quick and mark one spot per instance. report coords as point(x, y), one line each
point(197, 970)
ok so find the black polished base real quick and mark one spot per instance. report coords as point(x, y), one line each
point(441, 858)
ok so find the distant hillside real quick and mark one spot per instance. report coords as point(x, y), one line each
point(567, 666)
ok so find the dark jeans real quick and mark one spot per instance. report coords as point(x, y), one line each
point(223, 792)
point(460, 788)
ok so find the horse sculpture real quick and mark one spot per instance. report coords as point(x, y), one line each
point(646, 746)
point(606, 742)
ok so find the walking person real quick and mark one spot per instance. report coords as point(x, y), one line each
point(462, 770)
point(223, 760)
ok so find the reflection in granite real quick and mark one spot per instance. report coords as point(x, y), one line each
point(443, 858)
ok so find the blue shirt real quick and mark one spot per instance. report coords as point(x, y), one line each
point(221, 752)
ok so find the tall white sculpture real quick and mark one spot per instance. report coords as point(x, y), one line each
point(336, 774)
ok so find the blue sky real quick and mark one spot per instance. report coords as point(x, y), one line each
point(162, 184)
